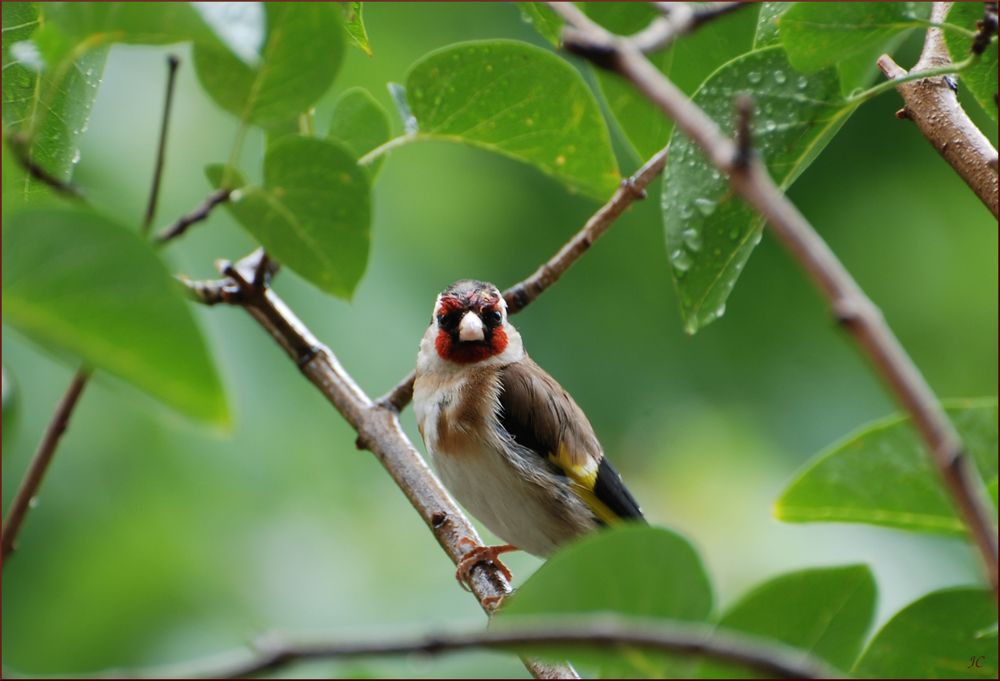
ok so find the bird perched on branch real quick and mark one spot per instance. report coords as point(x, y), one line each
point(506, 439)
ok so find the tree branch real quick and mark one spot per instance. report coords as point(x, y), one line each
point(526, 291)
point(40, 463)
point(378, 428)
point(154, 193)
point(197, 215)
point(852, 308)
point(933, 105)
point(680, 18)
point(759, 655)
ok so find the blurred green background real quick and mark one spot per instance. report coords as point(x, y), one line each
point(155, 540)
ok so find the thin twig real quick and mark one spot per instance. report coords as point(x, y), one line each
point(378, 428)
point(679, 18)
point(526, 291)
point(852, 308)
point(20, 147)
point(154, 192)
point(197, 215)
point(987, 28)
point(40, 463)
point(759, 655)
point(744, 136)
point(934, 107)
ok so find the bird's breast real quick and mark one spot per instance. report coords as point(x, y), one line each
point(455, 411)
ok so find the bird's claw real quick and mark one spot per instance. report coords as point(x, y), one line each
point(481, 554)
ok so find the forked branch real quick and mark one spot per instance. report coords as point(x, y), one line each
point(851, 307)
point(933, 106)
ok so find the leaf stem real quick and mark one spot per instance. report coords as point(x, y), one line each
point(387, 147)
point(889, 85)
point(944, 25)
point(234, 154)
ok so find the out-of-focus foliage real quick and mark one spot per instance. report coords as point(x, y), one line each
point(949, 634)
point(637, 571)
point(73, 279)
point(824, 611)
point(981, 79)
point(155, 541)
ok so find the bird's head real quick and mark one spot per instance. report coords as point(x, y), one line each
point(471, 321)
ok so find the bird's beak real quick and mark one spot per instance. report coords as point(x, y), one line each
point(471, 328)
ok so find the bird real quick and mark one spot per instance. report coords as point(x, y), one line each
point(506, 439)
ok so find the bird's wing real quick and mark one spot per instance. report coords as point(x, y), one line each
point(541, 416)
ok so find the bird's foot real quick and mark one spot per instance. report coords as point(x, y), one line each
point(482, 554)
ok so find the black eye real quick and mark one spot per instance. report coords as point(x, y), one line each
point(492, 317)
point(450, 320)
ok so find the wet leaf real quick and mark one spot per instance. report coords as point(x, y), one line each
point(544, 19)
point(710, 231)
point(48, 107)
point(821, 34)
point(520, 101)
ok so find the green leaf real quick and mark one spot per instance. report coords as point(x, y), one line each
point(631, 570)
point(300, 57)
point(354, 24)
point(520, 101)
point(544, 19)
point(992, 489)
point(820, 34)
point(823, 611)
point(361, 123)
point(75, 281)
point(981, 78)
point(767, 24)
point(859, 70)
point(882, 474)
point(312, 214)
point(687, 63)
point(49, 111)
point(856, 70)
point(148, 23)
point(710, 232)
point(944, 635)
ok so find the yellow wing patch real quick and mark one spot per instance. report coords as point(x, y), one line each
point(584, 477)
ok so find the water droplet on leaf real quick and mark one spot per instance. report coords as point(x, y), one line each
point(780, 77)
point(705, 206)
point(692, 239)
point(681, 261)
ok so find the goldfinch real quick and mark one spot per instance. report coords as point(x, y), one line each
point(506, 439)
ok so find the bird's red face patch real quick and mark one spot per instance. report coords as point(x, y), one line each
point(448, 315)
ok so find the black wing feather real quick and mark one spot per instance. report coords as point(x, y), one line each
point(540, 416)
